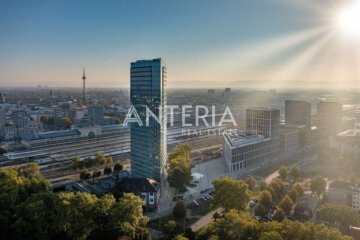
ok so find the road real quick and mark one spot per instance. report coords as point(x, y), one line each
point(269, 178)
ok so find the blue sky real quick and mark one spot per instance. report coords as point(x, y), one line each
point(48, 42)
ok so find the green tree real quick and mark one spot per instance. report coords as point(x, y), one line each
point(47, 120)
point(230, 193)
point(76, 163)
point(279, 215)
point(118, 167)
point(277, 189)
point(40, 216)
point(295, 172)
point(85, 174)
point(15, 187)
point(179, 177)
point(179, 172)
point(251, 182)
point(318, 185)
point(283, 172)
point(100, 158)
point(270, 236)
point(262, 185)
point(293, 194)
point(260, 210)
point(107, 170)
point(28, 210)
point(96, 174)
point(109, 160)
point(171, 229)
point(183, 150)
point(66, 122)
point(265, 199)
point(286, 205)
point(334, 213)
point(299, 189)
point(179, 211)
point(180, 237)
point(233, 225)
point(239, 225)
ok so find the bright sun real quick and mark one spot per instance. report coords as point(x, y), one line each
point(348, 19)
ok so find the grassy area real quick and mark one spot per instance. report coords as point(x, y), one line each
point(159, 223)
point(273, 166)
point(269, 169)
point(202, 210)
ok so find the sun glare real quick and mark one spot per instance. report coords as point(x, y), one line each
point(348, 19)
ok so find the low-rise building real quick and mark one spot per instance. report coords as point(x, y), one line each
point(241, 150)
point(289, 141)
point(348, 123)
point(147, 189)
point(344, 193)
point(348, 144)
point(305, 206)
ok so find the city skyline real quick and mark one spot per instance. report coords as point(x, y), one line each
point(277, 43)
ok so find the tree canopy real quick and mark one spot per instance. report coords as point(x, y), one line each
point(179, 211)
point(318, 185)
point(28, 210)
point(295, 172)
point(251, 182)
point(239, 225)
point(179, 172)
point(335, 213)
point(230, 193)
point(283, 172)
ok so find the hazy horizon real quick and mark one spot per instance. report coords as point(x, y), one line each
point(275, 44)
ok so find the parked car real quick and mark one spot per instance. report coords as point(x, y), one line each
point(252, 203)
point(195, 203)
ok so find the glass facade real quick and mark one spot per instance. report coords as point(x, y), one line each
point(241, 152)
point(148, 142)
point(298, 113)
point(263, 121)
point(330, 114)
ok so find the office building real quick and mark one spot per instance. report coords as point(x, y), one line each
point(211, 92)
point(241, 151)
point(344, 193)
point(2, 116)
point(148, 142)
point(96, 114)
point(2, 98)
point(21, 118)
point(298, 113)
point(348, 123)
point(258, 144)
point(263, 121)
point(330, 117)
point(289, 141)
point(227, 93)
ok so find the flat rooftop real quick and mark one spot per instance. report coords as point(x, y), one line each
point(350, 133)
point(239, 138)
point(263, 109)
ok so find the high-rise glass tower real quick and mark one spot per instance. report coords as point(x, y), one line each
point(330, 114)
point(263, 121)
point(298, 113)
point(148, 142)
